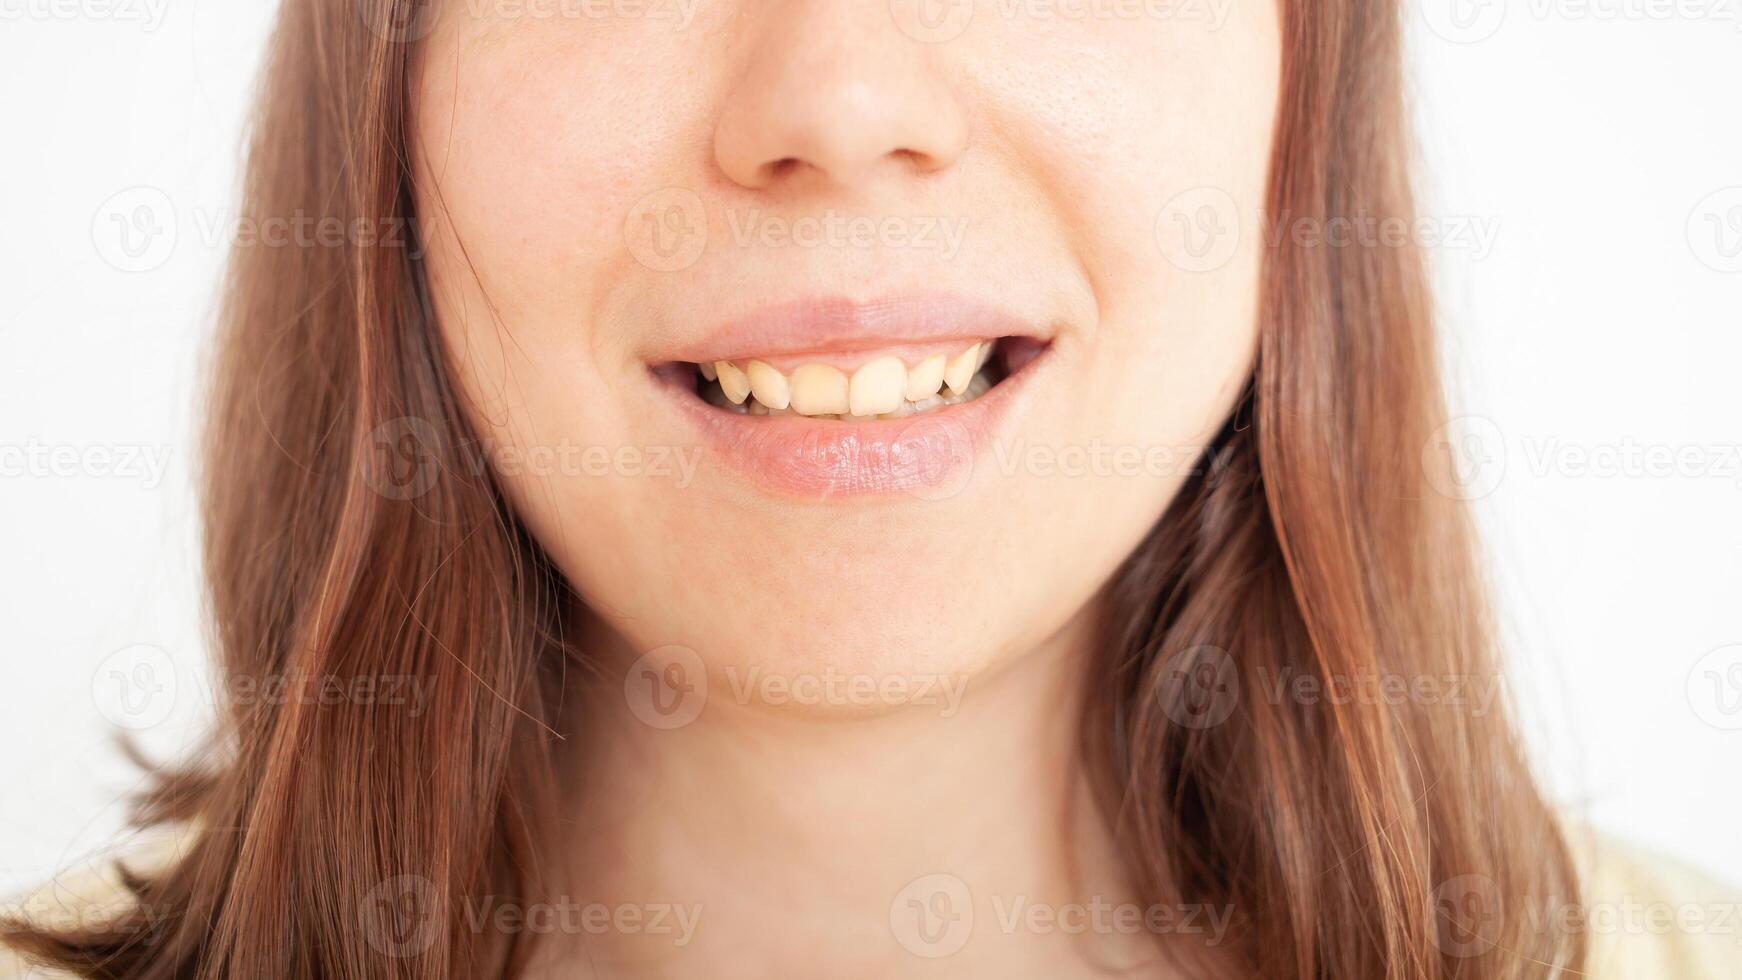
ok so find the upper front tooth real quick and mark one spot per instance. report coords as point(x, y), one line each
point(818, 389)
point(733, 382)
point(925, 379)
point(961, 369)
point(769, 385)
point(878, 386)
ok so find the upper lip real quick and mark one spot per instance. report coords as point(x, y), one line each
point(835, 324)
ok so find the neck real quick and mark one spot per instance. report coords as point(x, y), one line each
point(775, 841)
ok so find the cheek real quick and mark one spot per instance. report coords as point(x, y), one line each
point(541, 138)
point(533, 140)
point(1155, 137)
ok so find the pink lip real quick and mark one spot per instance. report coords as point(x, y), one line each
point(832, 324)
point(930, 456)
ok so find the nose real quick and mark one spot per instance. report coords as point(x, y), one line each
point(833, 92)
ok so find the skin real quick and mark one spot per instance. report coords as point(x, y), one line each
point(1059, 142)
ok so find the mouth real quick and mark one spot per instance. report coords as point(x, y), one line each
point(856, 401)
point(861, 386)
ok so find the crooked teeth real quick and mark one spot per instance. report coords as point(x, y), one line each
point(961, 370)
point(881, 389)
point(733, 382)
point(769, 385)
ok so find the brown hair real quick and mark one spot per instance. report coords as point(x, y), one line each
point(1312, 546)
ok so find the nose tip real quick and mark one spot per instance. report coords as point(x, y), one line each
point(836, 102)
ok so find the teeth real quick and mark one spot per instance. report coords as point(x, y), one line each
point(878, 386)
point(769, 385)
point(884, 388)
point(925, 380)
point(818, 389)
point(961, 369)
point(733, 382)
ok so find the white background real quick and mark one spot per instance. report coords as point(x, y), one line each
point(1600, 318)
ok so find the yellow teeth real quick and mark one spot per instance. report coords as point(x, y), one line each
point(769, 385)
point(961, 370)
point(925, 380)
point(733, 382)
point(818, 389)
point(878, 387)
point(882, 388)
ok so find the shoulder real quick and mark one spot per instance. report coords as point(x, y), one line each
point(1650, 917)
point(85, 895)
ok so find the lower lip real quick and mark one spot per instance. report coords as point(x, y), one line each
point(930, 455)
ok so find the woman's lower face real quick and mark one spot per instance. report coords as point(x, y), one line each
point(830, 337)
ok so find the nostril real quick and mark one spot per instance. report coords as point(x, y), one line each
point(917, 159)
